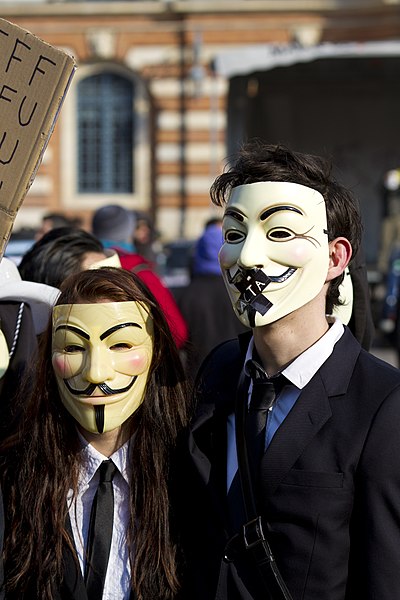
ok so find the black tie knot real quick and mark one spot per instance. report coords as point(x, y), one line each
point(107, 470)
point(256, 371)
point(265, 391)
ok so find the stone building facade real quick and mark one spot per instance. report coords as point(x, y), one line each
point(191, 71)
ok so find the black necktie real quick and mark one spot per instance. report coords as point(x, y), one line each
point(262, 398)
point(100, 532)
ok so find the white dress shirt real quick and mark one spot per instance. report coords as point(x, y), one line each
point(298, 373)
point(117, 582)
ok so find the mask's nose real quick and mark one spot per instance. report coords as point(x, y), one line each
point(253, 252)
point(98, 368)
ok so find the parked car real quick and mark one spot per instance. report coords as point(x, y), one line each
point(17, 247)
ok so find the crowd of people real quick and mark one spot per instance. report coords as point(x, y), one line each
point(236, 443)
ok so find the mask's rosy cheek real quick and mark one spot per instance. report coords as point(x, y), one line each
point(302, 253)
point(59, 365)
point(132, 363)
point(66, 367)
point(228, 255)
point(296, 253)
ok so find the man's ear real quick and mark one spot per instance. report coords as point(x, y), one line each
point(340, 252)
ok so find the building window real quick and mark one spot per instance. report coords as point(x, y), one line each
point(105, 134)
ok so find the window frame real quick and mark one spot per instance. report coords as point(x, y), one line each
point(70, 197)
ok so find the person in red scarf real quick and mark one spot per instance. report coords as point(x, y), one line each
point(114, 226)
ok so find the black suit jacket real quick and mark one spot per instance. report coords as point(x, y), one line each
point(1, 546)
point(72, 586)
point(330, 484)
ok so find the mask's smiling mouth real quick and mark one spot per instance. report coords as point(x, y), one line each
point(284, 277)
point(251, 283)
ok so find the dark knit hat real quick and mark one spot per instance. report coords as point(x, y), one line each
point(113, 223)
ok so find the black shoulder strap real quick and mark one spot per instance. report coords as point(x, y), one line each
point(254, 538)
point(241, 447)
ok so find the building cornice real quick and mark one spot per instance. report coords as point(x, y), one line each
point(195, 7)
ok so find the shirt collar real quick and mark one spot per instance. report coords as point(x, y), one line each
point(304, 367)
point(92, 458)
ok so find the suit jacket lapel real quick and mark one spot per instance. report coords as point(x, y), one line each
point(208, 431)
point(208, 439)
point(310, 412)
point(308, 415)
point(207, 446)
point(72, 586)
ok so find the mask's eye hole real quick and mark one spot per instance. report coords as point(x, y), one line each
point(73, 349)
point(121, 346)
point(233, 236)
point(278, 233)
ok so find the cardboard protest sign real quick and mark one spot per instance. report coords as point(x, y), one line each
point(34, 78)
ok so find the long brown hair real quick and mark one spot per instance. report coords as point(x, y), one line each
point(40, 460)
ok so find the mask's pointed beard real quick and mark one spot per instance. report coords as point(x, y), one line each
point(99, 415)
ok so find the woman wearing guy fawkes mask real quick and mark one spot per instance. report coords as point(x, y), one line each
point(109, 385)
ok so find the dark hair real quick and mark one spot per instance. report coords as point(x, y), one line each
point(257, 161)
point(57, 254)
point(40, 462)
point(58, 220)
point(213, 221)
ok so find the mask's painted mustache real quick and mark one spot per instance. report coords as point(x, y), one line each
point(107, 391)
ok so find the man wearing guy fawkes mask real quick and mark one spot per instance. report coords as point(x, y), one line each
point(327, 475)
